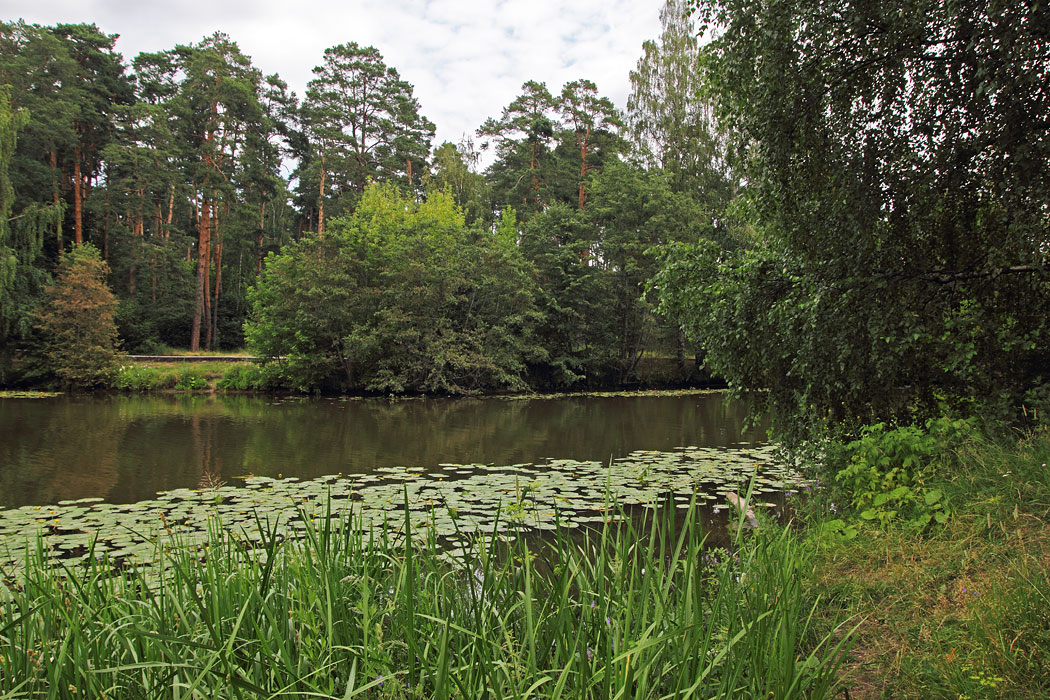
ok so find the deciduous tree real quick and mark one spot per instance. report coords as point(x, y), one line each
point(900, 177)
point(670, 115)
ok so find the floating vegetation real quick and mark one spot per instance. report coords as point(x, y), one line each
point(631, 393)
point(452, 503)
point(13, 394)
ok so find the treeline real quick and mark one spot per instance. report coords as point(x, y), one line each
point(842, 209)
point(380, 262)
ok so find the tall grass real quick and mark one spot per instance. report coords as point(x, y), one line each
point(639, 610)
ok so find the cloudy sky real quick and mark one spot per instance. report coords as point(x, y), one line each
point(466, 59)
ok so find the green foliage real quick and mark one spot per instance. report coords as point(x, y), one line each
point(402, 297)
point(899, 208)
point(76, 321)
point(670, 116)
point(454, 167)
point(11, 122)
point(594, 265)
point(523, 135)
point(249, 377)
point(136, 377)
point(191, 380)
point(364, 124)
point(958, 610)
point(21, 235)
point(884, 474)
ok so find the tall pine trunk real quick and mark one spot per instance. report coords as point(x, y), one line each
point(171, 210)
point(203, 256)
point(136, 245)
point(54, 193)
point(320, 202)
point(259, 239)
point(213, 335)
point(583, 175)
point(78, 200)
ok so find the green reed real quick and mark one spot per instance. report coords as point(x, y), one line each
point(634, 610)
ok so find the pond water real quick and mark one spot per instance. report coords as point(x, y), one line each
point(124, 449)
point(123, 477)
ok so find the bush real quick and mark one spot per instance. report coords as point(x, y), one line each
point(245, 377)
point(401, 298)
point(133, 377)
point(884, 473)
point(191, 380)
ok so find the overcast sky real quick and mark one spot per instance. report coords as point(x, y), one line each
point(467, 59)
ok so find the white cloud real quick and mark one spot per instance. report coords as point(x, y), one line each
point(466, 59)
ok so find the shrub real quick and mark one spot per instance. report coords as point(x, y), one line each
point(191, 380)
point(134, 378)
point(251, 377)
point(884, 473)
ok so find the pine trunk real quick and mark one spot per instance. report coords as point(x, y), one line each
point(78, 204)
point(105, 234)
point(54, 193)
point(171, 210)
point(583, 174)
point(320, 203)
point(136, 245)
point(207, 280)
point(535, 179)
point(203, 244)
point(259, 240)
point(213, 336)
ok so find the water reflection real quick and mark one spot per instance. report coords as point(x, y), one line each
point(126, 448)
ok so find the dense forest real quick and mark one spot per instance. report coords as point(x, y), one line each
point(845, 210)
point(383, 261)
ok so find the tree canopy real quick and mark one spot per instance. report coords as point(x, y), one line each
point(897, 167)
point(377, 264)
point(401, 297)
point(364, 124)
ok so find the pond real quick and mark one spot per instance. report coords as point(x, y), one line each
point(126, 448)
point(112, 475)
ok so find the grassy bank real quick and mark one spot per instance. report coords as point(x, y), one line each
point(959, 610)
point(195, 377)
point(632, 613)
point(155, 375)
